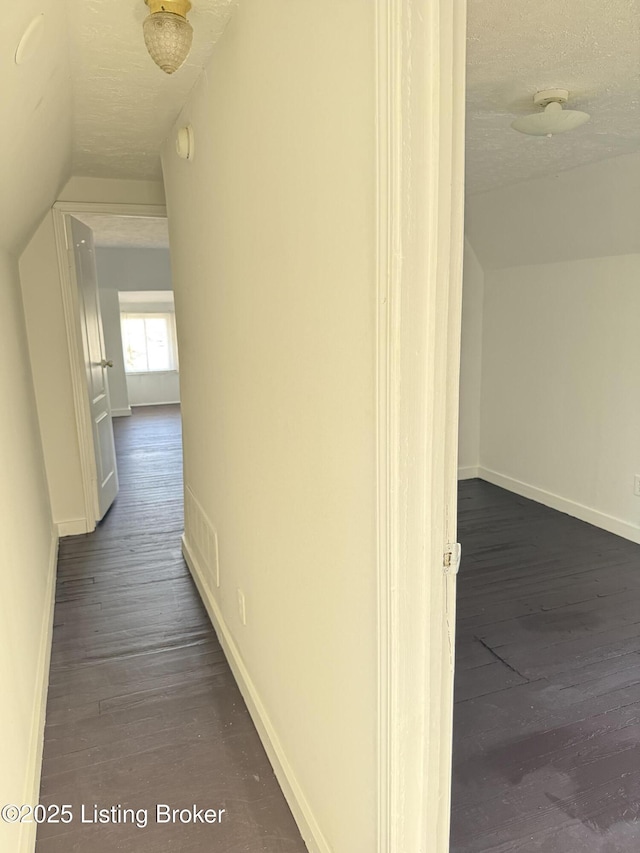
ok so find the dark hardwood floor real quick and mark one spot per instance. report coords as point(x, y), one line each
point(142, 706)
point(547, 717)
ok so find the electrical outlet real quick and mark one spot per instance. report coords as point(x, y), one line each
point(636, 485)
point(242, 611)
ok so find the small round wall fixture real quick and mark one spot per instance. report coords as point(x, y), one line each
point(553, 119)
point(185, 142)
point(167, 33)
point(30, 41)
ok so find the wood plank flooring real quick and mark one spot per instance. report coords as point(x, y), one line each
point(547, 715)
point(142, 707)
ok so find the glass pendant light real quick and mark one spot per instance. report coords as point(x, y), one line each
point(167, 33)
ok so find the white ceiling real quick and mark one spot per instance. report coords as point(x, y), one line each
point(517, 47)
point(124, 104)
point(133, 232)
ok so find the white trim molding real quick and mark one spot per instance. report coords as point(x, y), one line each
point(468, 472)
point(148, 405)
point(420, 112)
point(31, 792)
point(72, 527)
point(299, 805)
point(566, 505)
point(121, 413)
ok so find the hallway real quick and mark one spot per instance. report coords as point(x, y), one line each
point(142, 706)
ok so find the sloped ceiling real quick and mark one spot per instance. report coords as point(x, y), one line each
point(517, 47)
point(35, 117)
point(130, 232)
point(124, 104)
point(587, 212)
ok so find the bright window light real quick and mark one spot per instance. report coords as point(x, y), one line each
point(149, 343)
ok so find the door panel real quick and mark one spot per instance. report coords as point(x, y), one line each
point(95, 365)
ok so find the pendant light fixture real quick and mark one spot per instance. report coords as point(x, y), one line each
point(167, 33)
point(553, 119)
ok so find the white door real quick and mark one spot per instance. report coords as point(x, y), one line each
point(96, 365)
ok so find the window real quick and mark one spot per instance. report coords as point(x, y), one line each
point(149, 342)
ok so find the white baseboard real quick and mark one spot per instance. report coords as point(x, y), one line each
point(468, 472)
point(300, 808)
point(73, 527)
point(577, 510)
point(121, 413)
point(34, 763)
point(161, 403)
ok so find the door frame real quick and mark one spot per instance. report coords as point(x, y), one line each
point(61, 211)
point(421, 111)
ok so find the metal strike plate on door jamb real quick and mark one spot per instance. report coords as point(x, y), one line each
point(452, 556)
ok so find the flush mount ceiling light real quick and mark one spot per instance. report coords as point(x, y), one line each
point(553, 119)
point(167, 33)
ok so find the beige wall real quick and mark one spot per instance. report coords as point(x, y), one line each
point(470, 365)
point(36, 116)
point(26, 564)
point(273, 251)
point(560, 392)
point(52, 377)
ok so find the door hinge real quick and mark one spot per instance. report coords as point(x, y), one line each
point(451, 558)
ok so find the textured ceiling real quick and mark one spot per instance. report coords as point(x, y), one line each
point(124, 104)
point(133, 232)
point(517, 47)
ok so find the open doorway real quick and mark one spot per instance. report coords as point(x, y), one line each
point(138, 310)
point(122, 333)
point(547, 696)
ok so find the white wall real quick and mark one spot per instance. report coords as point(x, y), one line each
point(110, 312)
point(133, 269)
point(470, 365)
point(27, 564)
point(560, 390)
point(154, 389)
point(273, 251)
point(128, 269)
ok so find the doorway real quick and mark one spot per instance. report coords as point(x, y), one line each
point(116, 279)
point(547, 632)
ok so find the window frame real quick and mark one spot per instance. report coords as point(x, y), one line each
point(170, 319)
